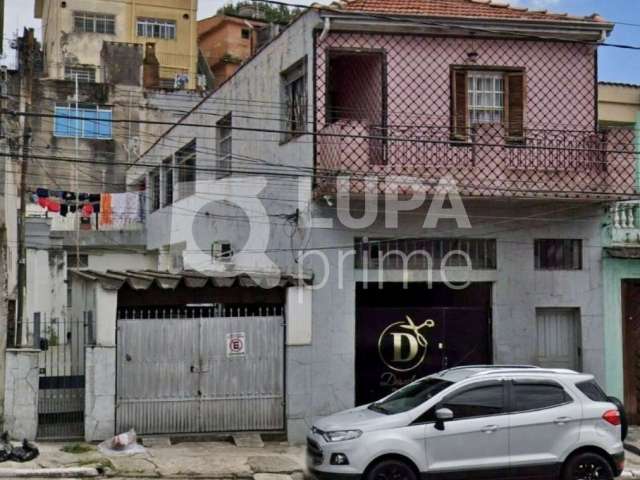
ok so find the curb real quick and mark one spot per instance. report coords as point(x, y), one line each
point(79, 472)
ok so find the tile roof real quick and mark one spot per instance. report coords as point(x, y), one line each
point(459, 8)
point(620, 84)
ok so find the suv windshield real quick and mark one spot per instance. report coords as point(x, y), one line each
point(410, 396)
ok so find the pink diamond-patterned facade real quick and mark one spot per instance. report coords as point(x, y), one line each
point(391, 117)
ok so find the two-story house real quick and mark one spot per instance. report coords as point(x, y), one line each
point(385, 190)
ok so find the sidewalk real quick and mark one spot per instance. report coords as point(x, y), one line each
point(200, 460)
point(213, 460)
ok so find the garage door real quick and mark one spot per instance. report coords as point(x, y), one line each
point(403, 334)
point(197, 375)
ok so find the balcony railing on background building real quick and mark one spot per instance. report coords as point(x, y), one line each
point(624, 227)
point(626, 215)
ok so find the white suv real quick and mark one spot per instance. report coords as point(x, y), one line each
point(477, 422)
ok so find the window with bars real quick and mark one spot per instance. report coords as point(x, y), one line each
point(186, 165)
point(558, 254)
point(486, 97)
point(167, 168)
point(425, 253)
point(224, 146)
point(154, 181)
point(295, 100)
point(90, 22)
point(87, 121)
point(157, 28)
point(85, 74)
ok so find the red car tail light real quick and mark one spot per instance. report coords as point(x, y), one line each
point(612, 417)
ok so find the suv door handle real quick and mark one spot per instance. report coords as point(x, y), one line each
point(562, 420)
point(490, 429)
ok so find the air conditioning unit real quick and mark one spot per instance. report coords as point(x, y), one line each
point(222, 251)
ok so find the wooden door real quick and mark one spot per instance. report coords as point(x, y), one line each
point(631, 347)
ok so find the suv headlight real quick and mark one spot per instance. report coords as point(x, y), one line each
point(341, 435)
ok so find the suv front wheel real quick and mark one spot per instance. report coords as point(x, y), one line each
point(391, 470)
point(587, 466)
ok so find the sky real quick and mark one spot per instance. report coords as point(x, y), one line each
point(616, 65)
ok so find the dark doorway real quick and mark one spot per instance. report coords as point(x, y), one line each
point(404, 334)
point(356, 96)
point(631, 347)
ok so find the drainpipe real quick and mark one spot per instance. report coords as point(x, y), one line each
point(325, 30)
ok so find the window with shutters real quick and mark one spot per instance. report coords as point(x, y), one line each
point(295, 100)
point(480, 97)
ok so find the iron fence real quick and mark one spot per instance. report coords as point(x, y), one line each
point(61, 363)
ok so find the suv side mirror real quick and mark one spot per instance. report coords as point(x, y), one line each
point(442, 415)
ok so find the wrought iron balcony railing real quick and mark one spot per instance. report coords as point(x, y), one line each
point(543, 163)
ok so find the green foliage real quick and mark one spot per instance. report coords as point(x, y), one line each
point(53, 336)
point(270, 13)
point(78, 448)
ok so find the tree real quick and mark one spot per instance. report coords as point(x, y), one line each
point(265, 11)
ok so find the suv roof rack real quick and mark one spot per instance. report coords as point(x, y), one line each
point(494, 367)
point(536, 370)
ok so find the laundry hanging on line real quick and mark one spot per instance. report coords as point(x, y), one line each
point(113, 209)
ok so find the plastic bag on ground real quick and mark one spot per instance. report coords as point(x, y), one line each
point(5, 447)
point(25, 453)
point(123, 444)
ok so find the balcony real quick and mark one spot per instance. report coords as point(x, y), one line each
point(545, 163)
point(625, 224)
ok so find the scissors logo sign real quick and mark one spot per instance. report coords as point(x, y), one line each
point(402, 346)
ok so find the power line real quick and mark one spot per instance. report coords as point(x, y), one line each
point(381, 138)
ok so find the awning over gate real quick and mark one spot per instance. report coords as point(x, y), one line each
point(145, 279)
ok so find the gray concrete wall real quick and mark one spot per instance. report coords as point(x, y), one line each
point(21, 393)
point(100, 393)
point(321, 377)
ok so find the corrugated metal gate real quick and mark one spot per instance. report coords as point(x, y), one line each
point(197, 374)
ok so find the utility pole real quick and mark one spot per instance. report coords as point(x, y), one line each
point(77, 145)
point(26, 64)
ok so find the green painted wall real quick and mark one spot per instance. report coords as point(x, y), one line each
point(614, 272)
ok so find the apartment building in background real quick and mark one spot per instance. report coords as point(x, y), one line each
point(74, 32)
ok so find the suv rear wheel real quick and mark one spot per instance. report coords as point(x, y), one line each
point(391, 470)
point(587, 466)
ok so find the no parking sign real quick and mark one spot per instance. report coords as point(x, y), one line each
point(236, 344)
